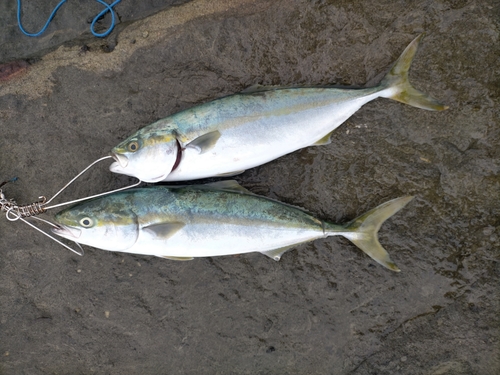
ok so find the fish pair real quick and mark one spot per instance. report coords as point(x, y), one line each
point(223, 138)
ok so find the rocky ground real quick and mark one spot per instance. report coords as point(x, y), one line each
point(325, 308)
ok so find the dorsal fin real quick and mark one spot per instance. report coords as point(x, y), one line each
point(233, 185)
point(257, 88)
point(261, 88)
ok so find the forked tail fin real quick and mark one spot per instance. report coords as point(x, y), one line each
point(363, 231)
point(402, 90)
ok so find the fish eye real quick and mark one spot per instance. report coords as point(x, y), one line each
point(86, 222)
point(133, 146)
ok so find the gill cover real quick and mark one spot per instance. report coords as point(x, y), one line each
point(99, 223)
point(149, 158)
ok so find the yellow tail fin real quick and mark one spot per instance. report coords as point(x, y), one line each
point(363, 231)
point(403, 91)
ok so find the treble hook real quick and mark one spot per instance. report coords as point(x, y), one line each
point(14, 212)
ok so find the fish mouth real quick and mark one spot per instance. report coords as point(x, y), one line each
point(67, 232)
point(121, 160)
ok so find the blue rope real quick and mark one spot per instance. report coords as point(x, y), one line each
point(109, 8)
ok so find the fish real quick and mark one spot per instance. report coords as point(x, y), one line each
point(217, 219)
point(228, 135)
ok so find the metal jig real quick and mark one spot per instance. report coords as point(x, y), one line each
point(14, 212)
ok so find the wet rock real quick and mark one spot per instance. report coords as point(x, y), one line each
point(325, 308)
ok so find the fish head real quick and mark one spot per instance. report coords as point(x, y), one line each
point(103, 226)
point(148, 157)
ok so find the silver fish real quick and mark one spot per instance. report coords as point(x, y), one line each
point(223, 218)
point(228, 135)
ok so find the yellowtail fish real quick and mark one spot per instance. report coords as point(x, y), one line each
point(223, 218)
point(228, 135)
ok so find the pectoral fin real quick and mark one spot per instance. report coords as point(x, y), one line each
point(277, 253)
point(205, 142)
point(182, 259)
point(163, 231)
point(323, 141)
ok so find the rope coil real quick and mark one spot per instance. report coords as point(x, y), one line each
point(108, 8)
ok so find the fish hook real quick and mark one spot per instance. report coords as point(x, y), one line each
point(14, 212)
point(11, 215)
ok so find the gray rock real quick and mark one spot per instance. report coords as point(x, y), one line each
point(325, 308)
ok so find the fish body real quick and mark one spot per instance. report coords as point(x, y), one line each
point(228, 135)
point(210, 220)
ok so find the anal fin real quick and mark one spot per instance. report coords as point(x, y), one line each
point(323, 141)
point(182, 259)
point(230, 174)
point(277, 253)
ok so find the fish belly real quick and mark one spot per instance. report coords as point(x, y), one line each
point(251, 139)
point(202, 240)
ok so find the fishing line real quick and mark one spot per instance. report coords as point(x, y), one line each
point(108, 8)
point(92, 196)
point(14, 212)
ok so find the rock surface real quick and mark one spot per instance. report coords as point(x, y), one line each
point(325, 308)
